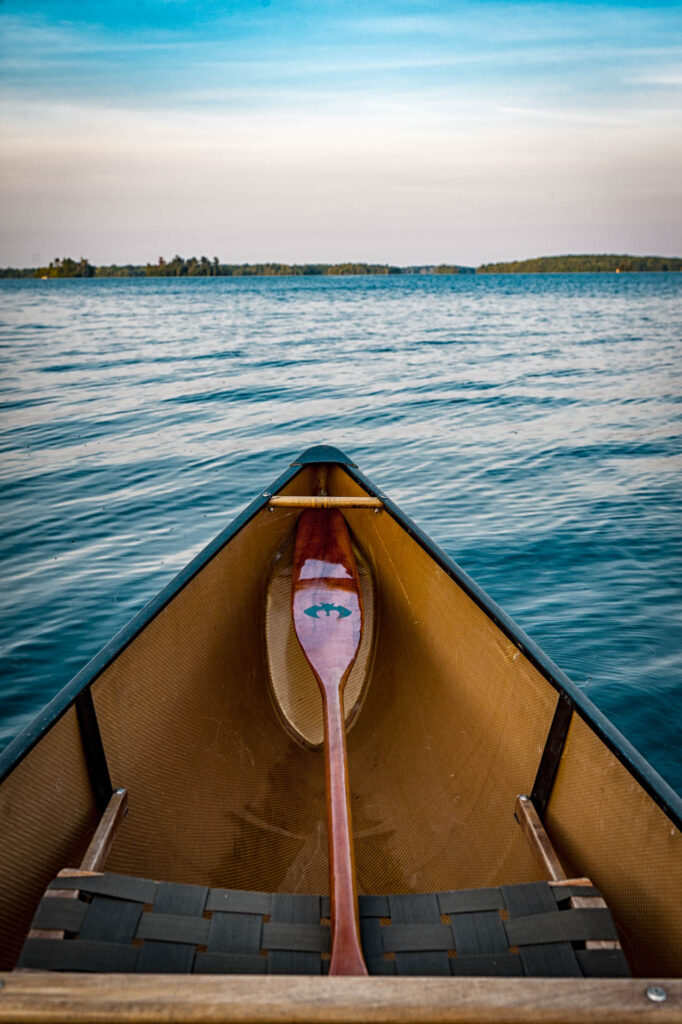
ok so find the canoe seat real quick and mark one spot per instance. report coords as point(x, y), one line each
point(105, 922)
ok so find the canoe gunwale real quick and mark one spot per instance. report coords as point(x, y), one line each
point(568, 693)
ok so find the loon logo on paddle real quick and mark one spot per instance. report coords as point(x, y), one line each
point(327, 609)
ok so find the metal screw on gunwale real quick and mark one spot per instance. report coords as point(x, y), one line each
point(656, 993)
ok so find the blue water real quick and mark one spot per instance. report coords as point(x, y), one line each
point(531, 424)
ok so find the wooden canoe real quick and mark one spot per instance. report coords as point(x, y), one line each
point(456, 713)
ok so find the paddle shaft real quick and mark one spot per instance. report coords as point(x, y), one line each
point(327, 614)
point(347, 955)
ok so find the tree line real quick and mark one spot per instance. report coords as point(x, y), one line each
point(583, 264)
point(195, 267)
point(203, 267)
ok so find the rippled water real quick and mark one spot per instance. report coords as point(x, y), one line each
point(531, 424)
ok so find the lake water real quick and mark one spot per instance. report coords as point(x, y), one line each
point(530, 424)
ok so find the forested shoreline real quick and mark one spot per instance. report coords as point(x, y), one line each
point(196, 267)
point(203, 267)
point(603, 263)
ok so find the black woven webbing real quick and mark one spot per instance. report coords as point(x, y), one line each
point(172, 903)
point(132, 924)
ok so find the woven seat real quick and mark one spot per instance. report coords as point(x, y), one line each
point(107, 922)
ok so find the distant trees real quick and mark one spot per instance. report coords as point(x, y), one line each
point(67, 268)
point(128, 270)
point(179, 267)
point(195, 266)
point(202, 266)
point(583, 264)
point(17, 272)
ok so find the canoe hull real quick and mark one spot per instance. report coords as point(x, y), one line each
point(456, 718)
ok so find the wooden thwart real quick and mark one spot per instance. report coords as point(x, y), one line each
point(158, 999)
point(323, 501)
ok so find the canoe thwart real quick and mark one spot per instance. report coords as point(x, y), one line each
point(146, 926)
point(158, 999)
point(323, 501)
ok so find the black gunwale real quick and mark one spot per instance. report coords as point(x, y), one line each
point(657, 788)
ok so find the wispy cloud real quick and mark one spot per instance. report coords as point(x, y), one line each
point(335, 119)
point(667, 79)
point(573, 116)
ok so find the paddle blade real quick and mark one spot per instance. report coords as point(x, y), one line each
point(293, 686)
point(326, 596)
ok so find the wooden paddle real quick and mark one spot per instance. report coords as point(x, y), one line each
point(327, 613)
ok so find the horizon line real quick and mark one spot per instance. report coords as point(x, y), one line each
point(215, 262)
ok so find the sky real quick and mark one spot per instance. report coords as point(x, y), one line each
point(457, 131)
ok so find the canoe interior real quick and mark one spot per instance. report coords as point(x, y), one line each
point(451, 729)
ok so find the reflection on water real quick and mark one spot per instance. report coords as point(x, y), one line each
point(531, 424)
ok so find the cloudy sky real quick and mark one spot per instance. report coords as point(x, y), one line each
point(325, 130)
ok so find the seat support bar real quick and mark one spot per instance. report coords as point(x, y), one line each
point(100, 844)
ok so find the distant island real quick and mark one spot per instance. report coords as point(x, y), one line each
point(203, 267)
point(583, 264)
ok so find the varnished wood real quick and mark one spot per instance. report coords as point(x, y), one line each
point(53, 933)
point(327, 613)
point(53, 998)
point(589, 903)
point(93, 860)
point(62, 894)
point(540, 842)
point(100, 844)
point(324, 501)
point(294, 689)
point(547, 856)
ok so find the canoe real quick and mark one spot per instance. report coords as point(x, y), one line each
point(481, 780)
